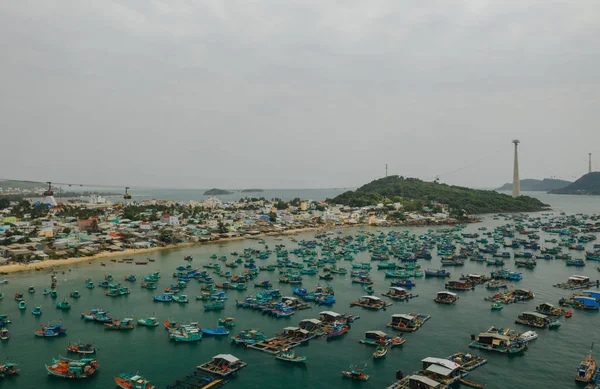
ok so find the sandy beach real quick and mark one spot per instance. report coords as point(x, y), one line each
point(52, 263)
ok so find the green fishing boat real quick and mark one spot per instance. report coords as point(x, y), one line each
point(215, 306)
point(63, 304)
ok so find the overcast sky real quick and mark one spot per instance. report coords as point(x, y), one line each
point(297, 94)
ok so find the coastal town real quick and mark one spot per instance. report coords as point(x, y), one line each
point(34, 231)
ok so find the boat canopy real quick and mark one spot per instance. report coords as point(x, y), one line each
point(474, 275)
point(579, 278)
point(526, 291)
point(330, 313)
point(227, 357)
point(312, 321)
point(442, 362)
point(548, 305)
point(376, 333)
point(590, 293)
point(441, 370)
point(373, 298)
point(402, 316)
point(446, 293)
point(291, 329)
point(495, 336)
point(398, 289)
point(288, 298)
point(535, 314)
point(424, 380)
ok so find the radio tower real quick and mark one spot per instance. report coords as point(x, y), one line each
point(590, 161)
point(516, 183)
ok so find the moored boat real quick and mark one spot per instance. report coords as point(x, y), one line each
point(49, 331)
point(125, 324)
point(355, 373)
point(290, 356)
point(81, 348)
point(380, 352)
point(70, 368)
point(587, 368)
point(148, 322)
point(37, 310)
point(132, 381)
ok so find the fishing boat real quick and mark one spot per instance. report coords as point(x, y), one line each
point(587, 368)
point(37, 310)
point(148, 285)
point(75, 294)
point(288, 355)
point(130, 278)
point(249, 337)
point(4, 334)
point(81, 348)
point(141, 262)
point(496, 306)
point(165, 298)
point(63, 304)
point(90, 285)
point(499, 341)
point(214, 306)
point(69, 368)
point(148, 322)
point(125, 324)
point(46, 292)
point(437, 273)
point(380, 338)
point(8, 369)
point(264, 284)
point(228, 322)
point(53, 294)
point(408, 322)
point(533, 319)
point(3, 281)
point(219, 331)
point(355, 373)
point(368, 288)
point(22, 305)
point(568, 314)
point(185, 334)
point(31, 289)
point(380, 352)
point(404, 283)
point(50, 331)
point(18, 296)
point(370, 302)
point(182, 299)
point(132, 381)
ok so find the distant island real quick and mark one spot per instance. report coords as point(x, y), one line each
point(252, 190)
point(410, 190)
point(533, 185)
point(215, 191)
point(588, 184)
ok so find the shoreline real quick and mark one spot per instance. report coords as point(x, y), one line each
point(52, 263)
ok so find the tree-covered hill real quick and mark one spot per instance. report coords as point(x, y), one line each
point(472, 201)
point(588, 184)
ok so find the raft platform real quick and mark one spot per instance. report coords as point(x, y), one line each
point(198, 379)
point(467, 361)
point(274, 345)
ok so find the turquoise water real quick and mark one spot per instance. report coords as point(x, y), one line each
point(550, 362)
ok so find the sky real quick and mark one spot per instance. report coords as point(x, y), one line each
point(297, 94)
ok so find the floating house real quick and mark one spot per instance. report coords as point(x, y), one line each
point(223, 365)
point(408, 322)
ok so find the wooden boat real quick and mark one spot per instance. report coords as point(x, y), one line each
point(290, 356)
point(4, 334)
point(166, 298)
point(148, 322)
point(437, 273)
point(587, 368)
point(18, 296)
point(8, 369)
point(130, 278)
point(471, 384)
point(185, 333)
point(497, 305)
point(141, 262)
point(31, 289)
point(22, 305)
point(148, 285)
point(125, 324)
point(69, 368)
point(554, 325)
point(568, 314)
point(368, 288)
point(326, 276)
point(63, 305)
point(355, 373)
point(217, 305)
point(37, 310)
point(444, 297)
point(370, 302)
point(500, 341)
point(408, 322)
point(380, 352)
point(181, 299)
point(533, 319)
point(81, 348)
point(132, 381)
point(75, 294)
point(219, 331)
point(50, 331)
point(227, 322)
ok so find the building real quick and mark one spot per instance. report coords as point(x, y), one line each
point(170, 220)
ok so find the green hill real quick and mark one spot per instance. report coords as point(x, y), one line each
point(533, 185)
point(400, 189)
point(586, 185)
point(215, 191)
point(4, 184)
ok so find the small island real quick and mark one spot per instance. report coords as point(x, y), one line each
point(252, 190)
point(533, 185)
point(415, 193)
point(588, 184)
point(215, 191)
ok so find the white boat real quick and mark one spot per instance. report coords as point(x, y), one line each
point(528, 336)
point(3, 281)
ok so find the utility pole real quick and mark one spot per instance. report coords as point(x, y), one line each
point(386, 168)
point(516, 183)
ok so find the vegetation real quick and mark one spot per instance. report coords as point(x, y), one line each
point(415, 194)
point(588, 184)
point(251, 190)
point(215, 191)
point(534, 185)
point(4, 184)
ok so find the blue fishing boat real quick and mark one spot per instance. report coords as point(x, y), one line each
point(22, 305)
point(90, 285)
point(165, 298)
point(50, 331)
point(437, 273)
point(37, 310)
point(63, 304)
point(404, 283)
point(130, 278)
point(219, 331)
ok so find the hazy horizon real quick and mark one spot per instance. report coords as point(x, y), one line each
point(313, 94)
